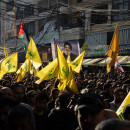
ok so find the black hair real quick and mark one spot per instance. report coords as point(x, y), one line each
point(91, 103)
point(113, 124)
point(64, 98)
point(67, 43)
point(42, 96)
point(54, 90)
point(118, 89)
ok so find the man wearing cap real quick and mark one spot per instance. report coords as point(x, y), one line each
point(90, 111)
point(67, 51)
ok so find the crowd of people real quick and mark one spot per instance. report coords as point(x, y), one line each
point(28, 106)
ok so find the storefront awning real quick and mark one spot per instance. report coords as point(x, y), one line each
point(91, 61)
point(121, 60)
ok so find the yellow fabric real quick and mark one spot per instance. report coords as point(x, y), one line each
point(108, 68)
point(71, 82)
point(23, 69)
point(62, 85)
point(50, 71)
point(68, 59)
point(126, 101)
point(62, 64)
point(1, 74)
point(114, 49)
point(77, 63)
point(5, 51)
point(114, 46)
point(32, 54)
point(20, 76)
point(9, 64)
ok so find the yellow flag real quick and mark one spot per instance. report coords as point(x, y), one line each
point(20, 76)
point(5, 51)
point(62, 85)
point(114, 46)
point(68, 59)
point(50, 71)
point(113, 50)
point(1, 74)
point(9, 64)
point(71, 82)
point(108, 68)
point(62, 64)
point(126, 101)
point(32, 54)
point(77, 63)
point(35, 71)
point(23, 69)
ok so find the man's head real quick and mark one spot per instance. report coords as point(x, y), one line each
point(41, 101)
point(54, 93)
point(67, 47)
point(89, 111)
point(7, 92)
point(18, 91)
point(64, 99)
point(113, 124)
point(118, 95)
point(20, 118)
point(5, 105)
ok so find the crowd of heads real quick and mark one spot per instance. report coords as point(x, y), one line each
point(26, 105)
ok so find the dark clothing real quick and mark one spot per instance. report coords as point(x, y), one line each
point(113, 106)
point(41, 121)
point(62, 119)
point(51, 105)
point(72, 56)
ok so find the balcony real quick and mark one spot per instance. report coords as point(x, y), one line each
point(72, 34)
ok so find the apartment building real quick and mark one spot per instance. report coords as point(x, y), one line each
point(93, 22)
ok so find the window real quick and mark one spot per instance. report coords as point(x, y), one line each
point(30, 28)
point(79, 1)
point(120, 5)
point(109, 37)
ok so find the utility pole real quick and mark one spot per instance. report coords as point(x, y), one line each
point(109, 13)
point(4, 23)
point(36, 15)
point(57, 21)
point(14, 28)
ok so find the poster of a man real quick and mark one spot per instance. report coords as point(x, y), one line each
point(67, 51)
point(69, 47)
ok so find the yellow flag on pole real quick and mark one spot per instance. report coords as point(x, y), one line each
point(32, 54)
point(5, 51)
point(126, 101)
point(108, 68)
point(77, 63)
point(62, 64)
point(50, 71)
point(9, 64)
point(23, 69)
point(114, 46)
point(20, 76)
point(114, 49)
point(71, 82)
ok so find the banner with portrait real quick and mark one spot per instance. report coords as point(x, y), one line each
point(75, 47)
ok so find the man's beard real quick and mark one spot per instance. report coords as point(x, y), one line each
point(67, 52)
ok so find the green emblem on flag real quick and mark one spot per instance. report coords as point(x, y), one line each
point(75, 63)
point(32, 55)
point(9, 65)
point(51, 73)
point(65, 71)
point(26, 68)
